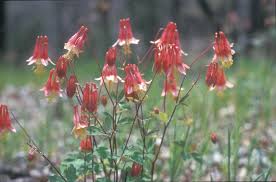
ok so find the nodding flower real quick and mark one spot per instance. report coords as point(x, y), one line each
point(168, 55)
point(52, 86)
point(76, 42)
point(61, 67)
point(71, 86)
point(223, 49)
point(90, 97)
point(109, 77)
point(125, 36)
point(110, 56)
point(170, 86)
point(5, 121)
point(109, 73)
point(80, 122)
point(134, 85)
point(86, 144)
point(215, 77)
point(40, 54)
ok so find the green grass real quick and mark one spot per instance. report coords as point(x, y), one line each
point(253, 100)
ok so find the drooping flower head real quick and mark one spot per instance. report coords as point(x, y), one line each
point(170, 86)
point(71, 86)
point(76, 42)
point(40, 54)
point(211, 74)
point(52, 86)
point(135, 86)
point(90, 97)
point(109, 73)
point(168, 55)
point(215, 77)
point(109, 77)
point(223, 49)
point(61, 67)
point(125, 36)
point(80, 123)
point(5, 121)
point(110, 56)
point(86, 144)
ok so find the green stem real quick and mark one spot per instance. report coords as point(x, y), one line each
point(229, 155)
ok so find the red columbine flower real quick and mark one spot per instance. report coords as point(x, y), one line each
point(40, 54)
point(61, 67)
point(170, 86)
point(90, 97)
point(71, 86)
point(109, 76)
point(125, 37)
point(211, 74)
point(135, 86)
point(80, 122)
point(168, 54)
point(5, 121)
point(215, 77)
point(52, 86)
point(109, 73)
point(223, 49)
point(110, 56)
point(86, 145)
point(76, 42)
point(136, 169)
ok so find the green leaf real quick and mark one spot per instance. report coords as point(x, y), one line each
point(96, 131)
point(151, 132)
point(70, 174)
point(126, 120)
point(186, 156)
point(108, 115)
point(103, 152)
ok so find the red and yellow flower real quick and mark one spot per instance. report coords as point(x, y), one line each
point(90, 97)
point(5, 121)
point(223, 49)
point(76, 42)
point(52, 87)
point(40, 54)
point(134, 85)
point(125, 36)
point(80, 123)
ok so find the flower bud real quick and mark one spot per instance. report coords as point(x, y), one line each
point(136, 169)
point(31, 154)
point(214, 137)
point(61, 67)
point(110, 56)
point(156, 110)
point(103, 100)
point(86, 145)
point(90, 97)
point(71, 86)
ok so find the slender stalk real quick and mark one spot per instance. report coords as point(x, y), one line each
point(33, 145)
point(229, 157)
point(85, 167)
point(165, 96)
point(169, 121)
point(134, 119)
